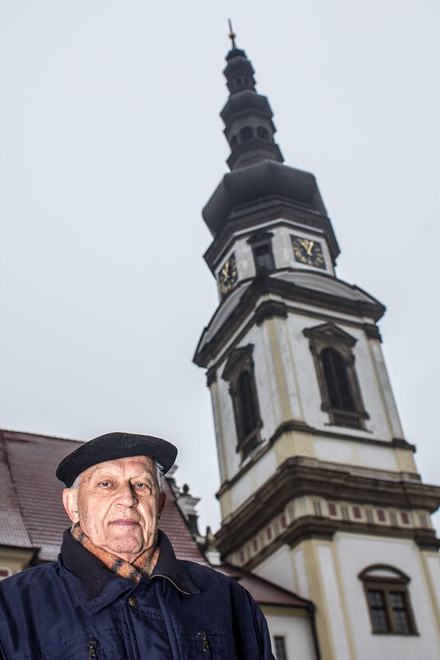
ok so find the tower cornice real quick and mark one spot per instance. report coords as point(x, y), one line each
point(241, 306)
point(268, 216)
point(314, 527)
point(298, 478)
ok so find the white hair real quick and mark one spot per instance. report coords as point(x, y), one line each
point(159, 476)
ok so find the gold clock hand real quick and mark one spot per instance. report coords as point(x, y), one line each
point(307, 245)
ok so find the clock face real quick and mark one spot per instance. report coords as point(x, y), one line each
point(228, 274)
point(308, 251)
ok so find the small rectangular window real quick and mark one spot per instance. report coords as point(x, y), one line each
point(280, 648)
point(263, 258)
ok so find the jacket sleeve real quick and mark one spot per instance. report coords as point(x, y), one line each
point(3, 629)
point(251, 631)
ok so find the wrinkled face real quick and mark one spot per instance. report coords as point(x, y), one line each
point(118, 505)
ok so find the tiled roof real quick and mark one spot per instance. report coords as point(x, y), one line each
point(262, 591)
point(32, 512)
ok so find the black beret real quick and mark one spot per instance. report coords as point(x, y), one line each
point(111, 446)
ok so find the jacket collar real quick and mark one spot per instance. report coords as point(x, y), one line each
point(93, 586)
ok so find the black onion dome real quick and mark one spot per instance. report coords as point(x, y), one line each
point(266, 180)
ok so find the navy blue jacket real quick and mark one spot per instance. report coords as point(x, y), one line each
point(76, 609)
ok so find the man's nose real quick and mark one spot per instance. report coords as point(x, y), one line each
point(126, 495)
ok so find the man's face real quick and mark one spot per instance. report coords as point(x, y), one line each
point(118, 504)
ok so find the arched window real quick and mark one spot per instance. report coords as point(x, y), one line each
point(239, 372)
point(388, 601)
point(246, 134)
point(248, 413)
point(263, 133)
point(334, 358)
point(336, 380)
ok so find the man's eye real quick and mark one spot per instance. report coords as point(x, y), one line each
point(105, 484)
point(142, 486)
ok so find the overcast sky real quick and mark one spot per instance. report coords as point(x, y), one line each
point(111, 144)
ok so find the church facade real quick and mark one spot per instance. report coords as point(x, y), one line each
point(319, 489)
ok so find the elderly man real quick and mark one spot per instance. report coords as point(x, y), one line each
point(117, 590)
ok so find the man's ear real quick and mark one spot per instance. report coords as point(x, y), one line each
point(70, 502)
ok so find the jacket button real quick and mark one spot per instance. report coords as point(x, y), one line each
point(133, 601)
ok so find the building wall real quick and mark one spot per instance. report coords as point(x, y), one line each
point(296, 629)
point(327, 572)
point(288, 389)
point(287, 386)
point(350, 555)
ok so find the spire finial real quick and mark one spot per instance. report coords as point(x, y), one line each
point(232, 34)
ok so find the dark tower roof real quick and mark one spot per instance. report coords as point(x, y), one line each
point(258, 179)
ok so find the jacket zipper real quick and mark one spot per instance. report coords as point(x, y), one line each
point(92, 650)
point(205, 643)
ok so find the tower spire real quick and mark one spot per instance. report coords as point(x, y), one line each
point(247, 115)
point(232, 34)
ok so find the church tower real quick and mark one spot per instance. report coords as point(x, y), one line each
point(319, 489)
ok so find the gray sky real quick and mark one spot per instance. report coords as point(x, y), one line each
point(111, 144)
